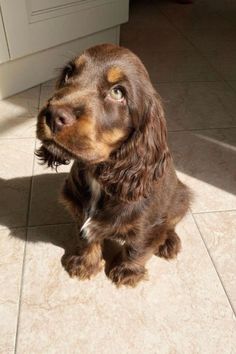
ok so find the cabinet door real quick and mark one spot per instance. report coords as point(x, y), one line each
point(34, 25)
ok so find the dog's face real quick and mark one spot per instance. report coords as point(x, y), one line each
point(106, 113)
point(95, 107)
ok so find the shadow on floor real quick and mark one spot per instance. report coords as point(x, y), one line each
point(207, 156)
point(47, 207)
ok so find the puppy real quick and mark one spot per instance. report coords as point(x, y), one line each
point(106, 116)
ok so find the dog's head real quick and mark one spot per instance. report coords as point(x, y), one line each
point(106, 112)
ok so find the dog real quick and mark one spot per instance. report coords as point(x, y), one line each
point(107, 117)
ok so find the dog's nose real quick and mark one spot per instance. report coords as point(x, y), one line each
point(58, 117)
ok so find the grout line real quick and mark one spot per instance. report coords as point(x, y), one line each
point(20, 293)
point(33, 226)
point(24, 255)
point(17, 138)
point(26, 239)
point(213, 263)
point(199, 129)
point(184, 81)
point(57, 224)
point(214, 211)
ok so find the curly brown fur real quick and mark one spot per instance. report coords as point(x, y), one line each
point(107, 117)
point(132, 169)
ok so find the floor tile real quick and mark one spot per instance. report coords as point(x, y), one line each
point(223, 62)
point(46, 185)
point(216, 38)
point(18, 128)
point(11, 258)
point(147, 14)
point(198, 105)
point(205, 161)
point(233, 85)
point(199, 15)
point(16, 168)
point(162, 39)
point(174, 66)
point(181, 309)
point(218, 231)
point(18, 114)
point(227, 9)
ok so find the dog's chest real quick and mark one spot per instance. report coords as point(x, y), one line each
point(95, 192)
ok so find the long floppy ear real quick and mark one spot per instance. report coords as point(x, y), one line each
point(51, 159)
point(141, 160)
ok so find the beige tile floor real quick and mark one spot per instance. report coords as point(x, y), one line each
point(188, 305)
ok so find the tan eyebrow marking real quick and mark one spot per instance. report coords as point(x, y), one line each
point(80, 61)
point(114, 74)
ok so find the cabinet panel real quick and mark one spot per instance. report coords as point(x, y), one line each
point(4, 55)
point(20, 74)
point(34, 25)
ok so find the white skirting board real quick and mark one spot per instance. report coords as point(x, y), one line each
point(21, 74)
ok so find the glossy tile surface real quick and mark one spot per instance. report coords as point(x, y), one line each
point(205, 160)
point(218, 231)
point(46, 186)
point(18, 113)
point(17, 157)
point(198, 105)
point(177, 66)
point(131, 320)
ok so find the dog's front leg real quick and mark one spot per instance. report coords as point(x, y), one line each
point(86, 261)
point(128, 267)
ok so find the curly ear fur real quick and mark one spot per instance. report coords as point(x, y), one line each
point(141, 160)
point(52, 160)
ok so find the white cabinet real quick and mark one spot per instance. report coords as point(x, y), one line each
point(35, 32)
point(34, 25)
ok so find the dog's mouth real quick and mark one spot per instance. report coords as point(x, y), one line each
point(53, 155)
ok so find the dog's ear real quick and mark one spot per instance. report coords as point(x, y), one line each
point(142, 159)
point(49, 158)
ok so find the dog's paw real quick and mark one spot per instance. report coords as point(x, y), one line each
point(78, 266)
point(127, 274)
point(171, 247)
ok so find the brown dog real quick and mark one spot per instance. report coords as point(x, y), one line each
point(108, 118)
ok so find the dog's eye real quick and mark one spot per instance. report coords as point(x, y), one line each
point(68, 71)
point(116, 93)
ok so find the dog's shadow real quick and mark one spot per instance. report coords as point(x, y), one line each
point(45, 219)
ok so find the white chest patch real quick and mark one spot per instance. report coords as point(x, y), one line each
point(95, 190)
